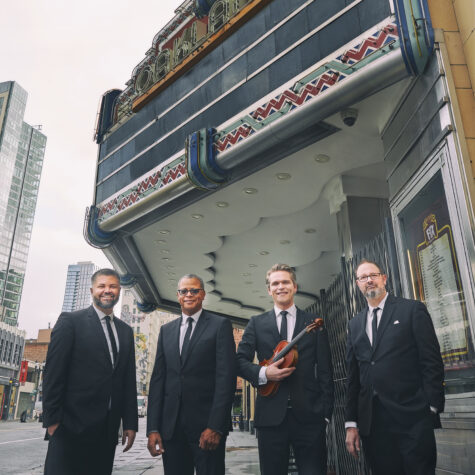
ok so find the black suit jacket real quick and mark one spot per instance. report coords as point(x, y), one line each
point(79, 381)
point(405, 368)
point(202, 388)
point(310, 387)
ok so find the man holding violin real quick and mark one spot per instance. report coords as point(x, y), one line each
point(296, 411)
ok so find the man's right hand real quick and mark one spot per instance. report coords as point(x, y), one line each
point(274, 373)
point(155, 444)
point(52, 429)
point(353, 442)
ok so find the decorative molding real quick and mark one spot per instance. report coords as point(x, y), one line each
point(309, 87)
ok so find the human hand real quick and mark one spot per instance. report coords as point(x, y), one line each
point(209, 439)
point(274, 373)
point(128, 434)
point(353, 442)
point(154, 441)
point(52, 428)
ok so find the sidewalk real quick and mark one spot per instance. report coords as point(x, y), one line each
point(241, 457)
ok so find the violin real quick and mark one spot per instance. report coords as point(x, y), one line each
point(288, 351)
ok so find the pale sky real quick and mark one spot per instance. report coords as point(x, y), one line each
point(66, 55)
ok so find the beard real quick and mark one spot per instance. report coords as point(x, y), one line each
point(374, 293)
point(105, 306)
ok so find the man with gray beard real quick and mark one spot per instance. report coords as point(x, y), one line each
point(395, 386)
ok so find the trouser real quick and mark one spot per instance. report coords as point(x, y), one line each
point(396, 450)
point(308, 440)
point(70, 454)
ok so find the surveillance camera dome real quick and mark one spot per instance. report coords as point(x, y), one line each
point(349, 116)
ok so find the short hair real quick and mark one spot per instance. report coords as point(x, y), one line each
point(105, 271)
point(369, 261)
point(192, 276)
point(284, 268)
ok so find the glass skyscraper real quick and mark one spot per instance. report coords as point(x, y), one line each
point(77, 294)
point(22, 149)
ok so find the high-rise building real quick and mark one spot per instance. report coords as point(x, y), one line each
point(77, 294)
point(22, 149)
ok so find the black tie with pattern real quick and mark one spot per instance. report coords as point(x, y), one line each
point(283, 325)
point(112, 339)
point(374, 325)
point(186, 340)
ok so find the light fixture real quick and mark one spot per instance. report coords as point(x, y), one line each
point(252, 265)
point(249, 191)
point(164, 231)
point(170, 267)
point(263, 253)
point(197, 216)
point(322, 158)
point(171, 273)
point(284, 176)
point(285, 241)
point(161, 241)
point(164, 251)
point(222, 204)
point(311, 231)
point(165, 258)
point(245, 274)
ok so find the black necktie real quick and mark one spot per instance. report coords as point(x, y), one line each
point(112, 339)
point(374, 325)
point(283, 325)
point(186, 340)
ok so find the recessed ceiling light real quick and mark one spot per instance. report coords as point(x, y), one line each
point(170, 267)
point(311, 231)
point(165, 258)
point(249, 191)
point(222, 204)
point(164, 251)
point(164, 231)
point(197, 216)
point(285, 241)
point(161, 241)
point(284, 176)
point(171, 280)
point(263, 253)
point(322, 158)
point(252, 265)
point(244, 274)
point(171, 273)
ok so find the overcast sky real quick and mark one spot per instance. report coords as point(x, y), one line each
point(66, 55)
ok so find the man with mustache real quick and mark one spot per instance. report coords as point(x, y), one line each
point(395, 387)
point(89, 385)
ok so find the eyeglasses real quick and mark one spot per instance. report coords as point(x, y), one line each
point(192, 291)
point(364, 278)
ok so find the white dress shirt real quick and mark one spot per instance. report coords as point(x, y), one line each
point(102, 317)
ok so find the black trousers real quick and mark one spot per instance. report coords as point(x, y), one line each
point(183, 454)
point(396, 450)
point(70, 454)
point(308, 440)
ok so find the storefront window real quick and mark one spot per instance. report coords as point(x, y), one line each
point(433, 269)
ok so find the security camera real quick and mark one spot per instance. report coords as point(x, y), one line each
point(349, 116)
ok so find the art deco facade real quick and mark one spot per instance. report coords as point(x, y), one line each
point(22, 149)
point(308, 132)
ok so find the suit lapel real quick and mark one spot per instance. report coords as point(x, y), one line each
point(362, 326)
point(200, 327)
point(122, 341)
point(101, 337)
point(385, 319)
point(270, 322)
point(300, 323)
point(175, 341)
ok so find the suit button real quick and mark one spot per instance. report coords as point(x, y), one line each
point(372, 363)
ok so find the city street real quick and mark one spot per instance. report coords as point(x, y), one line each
point(23, 450)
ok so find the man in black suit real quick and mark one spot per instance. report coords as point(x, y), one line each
point(192, 387)
point(298, 413)
point(395, 388)
point(89, 385)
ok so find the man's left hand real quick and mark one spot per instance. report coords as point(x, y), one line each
point(209, 439)
point(128, 434)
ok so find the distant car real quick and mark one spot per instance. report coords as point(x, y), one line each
point(38, 411)
point(142, 405)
